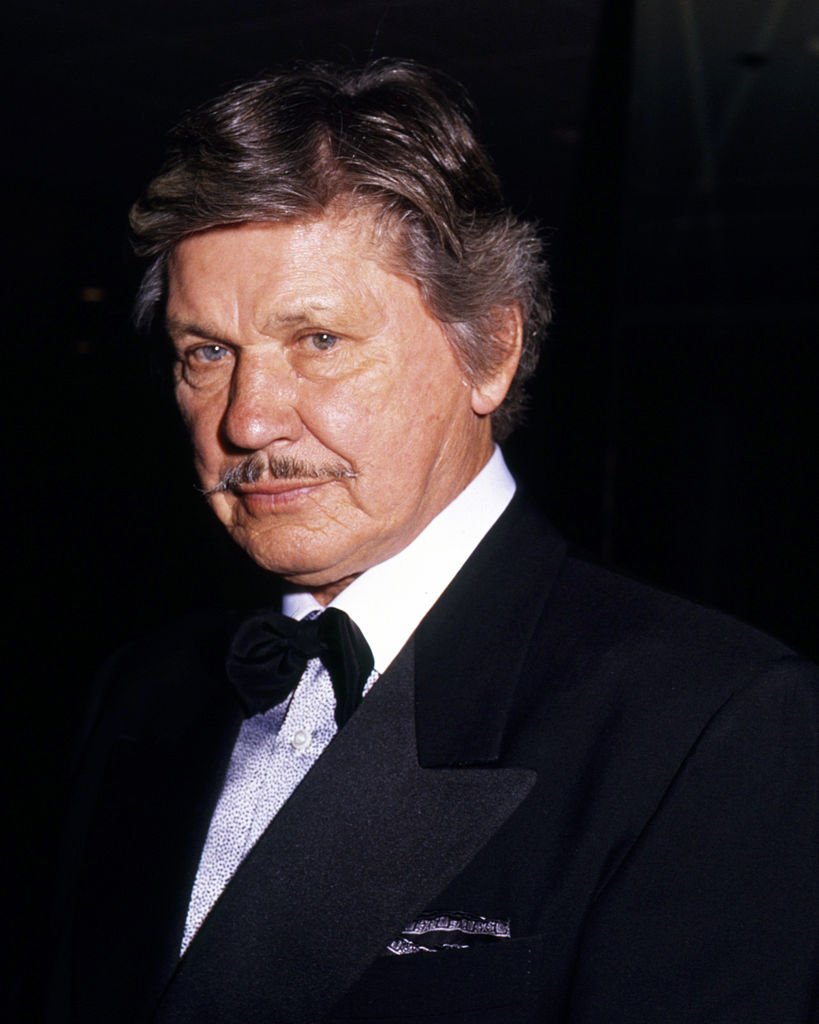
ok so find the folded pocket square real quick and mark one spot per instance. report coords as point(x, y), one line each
point(435, 932)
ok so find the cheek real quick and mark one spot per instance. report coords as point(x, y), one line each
point(202, 423)
point(352, 417)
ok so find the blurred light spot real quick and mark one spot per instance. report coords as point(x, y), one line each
point(92, 294)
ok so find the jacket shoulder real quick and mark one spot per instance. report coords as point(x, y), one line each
point(627, 660)
point(625, 621)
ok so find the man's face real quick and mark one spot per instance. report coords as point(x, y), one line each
point(296, 345)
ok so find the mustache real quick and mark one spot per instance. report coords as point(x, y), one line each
point(258, 466)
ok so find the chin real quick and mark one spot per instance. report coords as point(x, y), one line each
point(316, 568)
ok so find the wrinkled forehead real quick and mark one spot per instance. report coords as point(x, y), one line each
point(339, 268)
point(376, 231)
point(379, 225)
point(353, 238)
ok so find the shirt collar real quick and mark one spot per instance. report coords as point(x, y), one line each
point(389, 600)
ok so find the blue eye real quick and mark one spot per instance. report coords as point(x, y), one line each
point(210, 353)
point(323, 341)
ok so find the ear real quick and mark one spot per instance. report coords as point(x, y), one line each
point(507, 335)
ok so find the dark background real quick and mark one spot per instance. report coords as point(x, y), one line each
point(668, 148)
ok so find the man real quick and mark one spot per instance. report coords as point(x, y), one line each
point(479, 779)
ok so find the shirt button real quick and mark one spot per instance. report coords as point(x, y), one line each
point(301, 740)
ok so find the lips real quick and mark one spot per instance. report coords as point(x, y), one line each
point(274, 493)
point(276, 487)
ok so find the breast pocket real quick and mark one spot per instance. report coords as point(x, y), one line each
point(493, 983)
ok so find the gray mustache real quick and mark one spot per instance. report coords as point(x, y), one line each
point(258, 466)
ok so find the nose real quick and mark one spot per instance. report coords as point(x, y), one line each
point(261, 408)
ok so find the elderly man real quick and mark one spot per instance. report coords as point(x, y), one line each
point(465, 776)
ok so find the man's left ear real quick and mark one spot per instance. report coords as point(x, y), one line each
point(507, 337)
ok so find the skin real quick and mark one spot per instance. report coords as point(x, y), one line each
point(294, 340)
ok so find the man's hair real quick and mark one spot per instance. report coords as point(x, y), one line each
point(393, 137)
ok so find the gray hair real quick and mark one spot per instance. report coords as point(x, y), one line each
point(394, 137)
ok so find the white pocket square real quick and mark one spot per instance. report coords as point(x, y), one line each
point(439, 931)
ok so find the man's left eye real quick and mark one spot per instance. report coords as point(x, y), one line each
point(323, 341)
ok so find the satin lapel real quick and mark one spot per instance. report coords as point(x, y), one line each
point(472, 647)
point(362, 846)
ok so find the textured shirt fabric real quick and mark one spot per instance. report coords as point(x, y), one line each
point(275, 750)
point(272, 754)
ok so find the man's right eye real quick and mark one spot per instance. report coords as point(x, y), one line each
point(209, 353)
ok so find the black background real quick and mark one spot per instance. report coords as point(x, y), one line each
point(668, 148)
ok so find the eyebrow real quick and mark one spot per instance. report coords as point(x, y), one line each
point(307, 313)
point(300, 315)
point(177, 328)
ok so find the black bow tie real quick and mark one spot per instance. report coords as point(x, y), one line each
point(270, 651)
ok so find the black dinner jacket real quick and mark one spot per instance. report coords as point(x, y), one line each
point(628, 780)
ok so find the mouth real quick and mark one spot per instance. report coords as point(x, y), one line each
point(273, 494)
